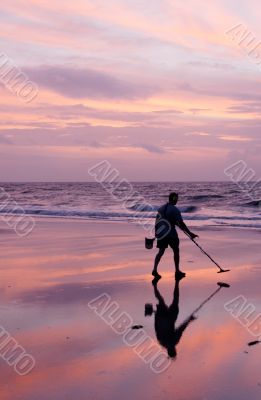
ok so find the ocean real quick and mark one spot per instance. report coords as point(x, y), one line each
point(201, 203)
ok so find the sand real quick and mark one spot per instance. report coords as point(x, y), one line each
point(49, 278)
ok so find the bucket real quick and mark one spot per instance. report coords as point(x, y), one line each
point(149, 243)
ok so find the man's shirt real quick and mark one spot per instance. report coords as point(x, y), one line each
point(170, 213)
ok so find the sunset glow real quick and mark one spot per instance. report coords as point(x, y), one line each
point(129, 75)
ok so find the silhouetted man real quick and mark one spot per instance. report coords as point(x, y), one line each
point(167, 219)
point(165, 318)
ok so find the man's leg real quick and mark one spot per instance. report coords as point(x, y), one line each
point(175, 248)
point(176, 257)
point(158, 258)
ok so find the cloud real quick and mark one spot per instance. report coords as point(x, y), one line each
point(198, 110)
point(5, 140)
point(86, 83)
point(151, 148)
point(196, 133)
point(79, 114)
point(171, 111)
point(246, 108)
point(236, 138)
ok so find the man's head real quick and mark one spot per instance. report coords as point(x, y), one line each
point(172, 353)
point(173, 198)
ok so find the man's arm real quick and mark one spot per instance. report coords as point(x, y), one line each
point(180, 330)
point(181, 224)
point(175, 218)
point(184, 228)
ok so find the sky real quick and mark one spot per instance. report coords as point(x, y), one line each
point(163, 90)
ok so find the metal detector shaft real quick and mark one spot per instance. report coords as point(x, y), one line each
point(221, 285)
point(207, 300)
point(203, 251)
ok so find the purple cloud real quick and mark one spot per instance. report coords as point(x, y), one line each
point(84, 83)
point(247, 108)
point(5, 140)
point(151, 148)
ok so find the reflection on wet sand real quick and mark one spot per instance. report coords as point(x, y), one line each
point(48, 280)
point(168, 335)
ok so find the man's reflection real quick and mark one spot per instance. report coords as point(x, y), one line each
point(166, 316)
point(165, 319)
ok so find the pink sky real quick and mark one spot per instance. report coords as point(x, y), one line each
point(157, 88)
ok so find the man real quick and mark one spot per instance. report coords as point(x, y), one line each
point(167, 219)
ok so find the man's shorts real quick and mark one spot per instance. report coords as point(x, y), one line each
point(172, 241)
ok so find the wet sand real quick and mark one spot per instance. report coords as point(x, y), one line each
point(49, 277)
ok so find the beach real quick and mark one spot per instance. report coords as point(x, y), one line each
point(50, 278)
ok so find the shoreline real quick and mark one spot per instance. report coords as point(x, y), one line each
point(39, 218)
